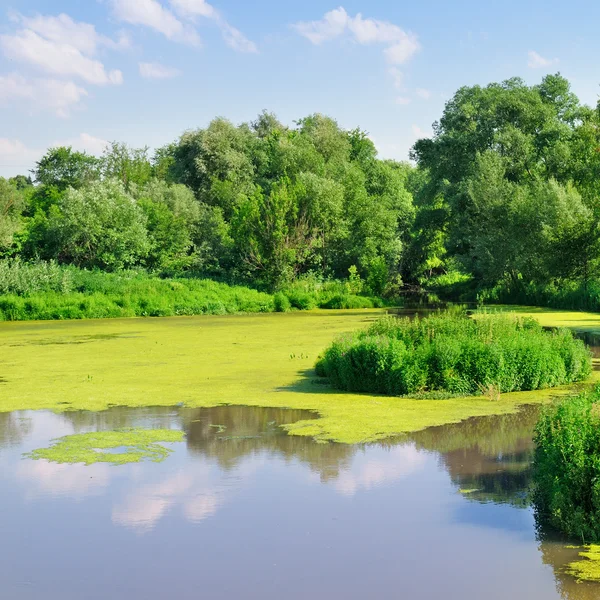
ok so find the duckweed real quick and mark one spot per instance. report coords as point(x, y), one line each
point(216, 360)
point(132, 445)
point(587, 569)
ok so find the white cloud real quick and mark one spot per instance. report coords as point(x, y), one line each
point(234, 38)
point(54, 95)
point(397, 76)
point(157, 71)
point(402, 100)
point(56, 57)
point(151, 13)
point(420, 133)
point(193, 8)
point(536, 61)
point(332, 25)
point(423, 93)
point(63, 28)
point(16, 156)
point(84, 142)
point(401, 45)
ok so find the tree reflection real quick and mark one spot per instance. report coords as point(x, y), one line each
point(488, 458)
point(13, 428)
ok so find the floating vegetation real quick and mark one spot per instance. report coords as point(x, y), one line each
point(223, 360)
point(587, 569)
point(127, 445)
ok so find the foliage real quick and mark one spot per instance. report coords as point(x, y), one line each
point(41, 291)
point(11, 206)
point(567, 466)
point(47, 290)
point(24, 279)
point(508, 187)
point(99, 226)
point(451, 352)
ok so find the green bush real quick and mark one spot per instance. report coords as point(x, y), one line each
point(47, 290)
point(453, 353)
point(566, 470)
point(281, 302)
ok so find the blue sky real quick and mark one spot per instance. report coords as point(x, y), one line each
point(143, 71)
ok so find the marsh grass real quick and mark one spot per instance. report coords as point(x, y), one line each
point(48, 291)
point(453, 353)
point(567, 466)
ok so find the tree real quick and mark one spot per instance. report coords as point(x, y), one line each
point(99, 226)
point(62, 167)
point(128, 165)
point(12, 204)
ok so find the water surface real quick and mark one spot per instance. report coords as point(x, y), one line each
point(240, 509)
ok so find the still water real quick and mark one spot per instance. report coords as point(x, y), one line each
point(242, 510)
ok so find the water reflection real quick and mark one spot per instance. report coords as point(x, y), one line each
point(488, 459)
point(240, 494)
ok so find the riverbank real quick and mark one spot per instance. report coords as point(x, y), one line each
point(46, 291)
point(253, 360)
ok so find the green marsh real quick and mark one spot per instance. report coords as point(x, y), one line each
point(253, 360)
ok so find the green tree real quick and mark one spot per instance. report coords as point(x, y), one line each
point(62, 167)
point(12, 204)
point(99, 226)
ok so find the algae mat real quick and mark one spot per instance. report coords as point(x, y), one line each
point(254, 360)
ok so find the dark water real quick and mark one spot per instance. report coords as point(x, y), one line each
point(241, 510)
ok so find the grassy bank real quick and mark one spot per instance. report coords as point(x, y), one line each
point(46, 291)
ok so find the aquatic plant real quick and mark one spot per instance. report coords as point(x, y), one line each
point(132, 445)
point(218, 360)
point(567, 466)
point(587, 569)
point(451, 352)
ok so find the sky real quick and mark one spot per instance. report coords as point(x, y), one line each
point(83, 73)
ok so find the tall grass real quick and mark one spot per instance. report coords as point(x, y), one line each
point(566, 470)
point(570, 295)
point(453, 353)
point(46, 290)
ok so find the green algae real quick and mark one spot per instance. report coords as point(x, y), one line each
point(134, 445)
point(211, 361)
point(587, 569)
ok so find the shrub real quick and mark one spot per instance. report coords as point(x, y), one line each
point(453, 353)
point(566, 470)
point(281, 302)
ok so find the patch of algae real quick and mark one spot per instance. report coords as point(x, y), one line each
point(134, 445)
point(587, 569)
point(253, 360)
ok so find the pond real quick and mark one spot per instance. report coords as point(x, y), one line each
point(229, 480)
point(241, 509)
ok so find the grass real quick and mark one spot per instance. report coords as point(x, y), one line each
point(450, 352)
point(47, 291)
point(253, 360)
point(134, 445)
point(567, 466)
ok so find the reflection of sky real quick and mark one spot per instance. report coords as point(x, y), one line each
point(142, 494)
point(388, 523)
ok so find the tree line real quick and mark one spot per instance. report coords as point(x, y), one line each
point(504, 199)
